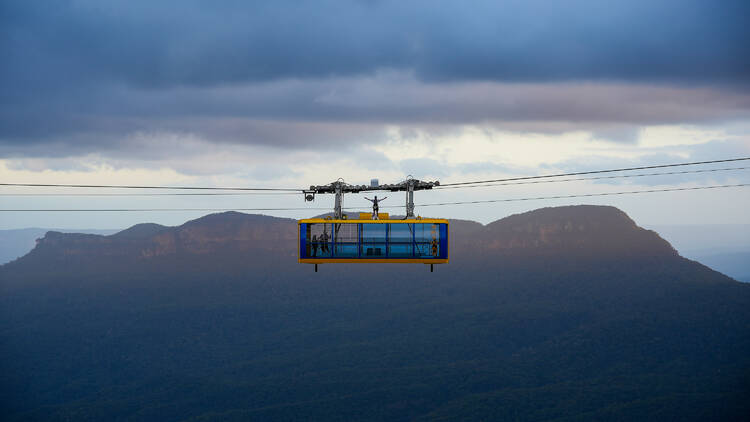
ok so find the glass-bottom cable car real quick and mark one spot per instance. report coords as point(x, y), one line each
point(365, 240)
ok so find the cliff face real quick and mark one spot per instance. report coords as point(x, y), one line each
point(242, 238)
point(595, 231)
point(226, 232)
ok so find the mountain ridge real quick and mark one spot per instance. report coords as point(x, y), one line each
point(583, 231)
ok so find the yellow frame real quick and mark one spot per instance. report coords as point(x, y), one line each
point(417, 220)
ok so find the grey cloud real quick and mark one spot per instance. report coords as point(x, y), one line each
point(341, 112)
point(486, 167)
point(87, 76)
point(621, 134)
point(423, 168)
point(158, 44)
point(721, 148)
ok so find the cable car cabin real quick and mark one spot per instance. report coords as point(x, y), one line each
point(416, 240)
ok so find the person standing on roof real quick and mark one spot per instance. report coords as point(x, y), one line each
point(375, 207)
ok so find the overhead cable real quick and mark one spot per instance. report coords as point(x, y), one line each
point(584, 195)
point(445, 185)
point(420, 205)
point(592, 178)
point(157, 209)
point(57, 185)
point(153, 194)
point(580, 173)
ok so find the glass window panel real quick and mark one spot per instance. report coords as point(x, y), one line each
point(346, 232)
point(400, 240)
point(427, 237)
point(347, 236)
point(346, 250)
point(427, 232)
point(400, 250)
point(400, 233)
point(422, 250)
point(373, 232)
point(319, 240)
point(373, 240)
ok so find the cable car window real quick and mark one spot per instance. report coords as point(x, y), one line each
point(374, 240)
point(427, 240)
point(391, 241)
point(346, 240)
point(319, 240)
point(401, 240)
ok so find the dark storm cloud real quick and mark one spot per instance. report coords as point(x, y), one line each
point(85, 75)
point(184, 42)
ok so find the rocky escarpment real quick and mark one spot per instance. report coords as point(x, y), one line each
point(242, 240)
point(228, 234)
point(586, 230)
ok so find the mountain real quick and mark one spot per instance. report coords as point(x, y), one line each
point(227, 236)
point(18, 242)
point(593, 232)
point(568, 313)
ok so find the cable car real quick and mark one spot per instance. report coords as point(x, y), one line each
point(364, 240)
point(372, 237)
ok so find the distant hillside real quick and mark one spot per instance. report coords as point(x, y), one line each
point(504, 236)
point(15, 243)
point(565, 314)
point(236, 239)
point(589, 231)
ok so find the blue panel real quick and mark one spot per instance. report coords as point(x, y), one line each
point(400, 250)
point(400, 240)
point(414, 240)
point(400, 233)
point(302, 241)
point(346, 250)
point(386, 238)
point(443, 241)
point(346, 240)
point(373, 243)
point(373, 233)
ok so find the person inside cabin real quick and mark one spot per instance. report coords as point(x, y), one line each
point(324, 243)
point(314, 245)
point(375, 208)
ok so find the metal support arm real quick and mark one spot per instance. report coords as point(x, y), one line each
point(339, 187)
point(410, 198)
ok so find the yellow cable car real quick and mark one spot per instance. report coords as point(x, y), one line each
point(364, 240)
point(372, 238)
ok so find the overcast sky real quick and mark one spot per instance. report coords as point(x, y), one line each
point(294, 93)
